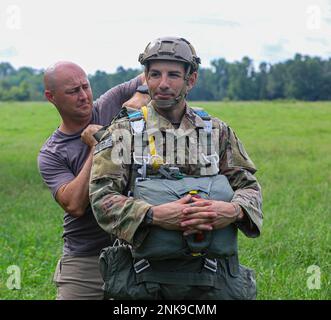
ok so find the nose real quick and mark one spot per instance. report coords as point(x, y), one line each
point(82, 94)
point(164, 84)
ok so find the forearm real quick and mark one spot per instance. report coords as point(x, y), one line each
point(142, 78)
point(250, 200)
point(236, 165)
point(73, 197)
point(117, 214)
point(140, 98)
point(247, 194)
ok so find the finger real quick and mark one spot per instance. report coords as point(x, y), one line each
point(190, 231)
point(195, 199)
point(206, 215)
point(204, 227)
point(195, 222)
point(200, 203)
point(96, 128)
point(198, 229)
point(194, 209)
point(185, 199)
point(221, 224)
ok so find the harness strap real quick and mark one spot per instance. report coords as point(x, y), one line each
point(208, 156)
point(143, 264)
point(157, 161)
point(138, 120)
point(138, 126)
point(185, 279)
point(98, 135)
point(144, 155)
point(138, 147)
point(206, 119)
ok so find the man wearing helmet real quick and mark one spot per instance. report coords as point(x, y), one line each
point(175, 185)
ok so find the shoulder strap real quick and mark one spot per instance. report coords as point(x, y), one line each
point(205, 117)
point(210, 158)
point(156, 159)
point(99, 134)
point(145, 112)
point(201, 113)
point(137, 122)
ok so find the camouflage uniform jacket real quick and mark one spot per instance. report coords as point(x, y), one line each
point(122, 216)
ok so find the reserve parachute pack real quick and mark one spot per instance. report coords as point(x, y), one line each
point(168, 265)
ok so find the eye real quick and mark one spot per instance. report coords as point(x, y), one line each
point(73, 91)
point(154, 74)
point(174, 75)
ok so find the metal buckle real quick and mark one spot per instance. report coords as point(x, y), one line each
point(140, 159)
point(213, 158)
point(208, 126)
point(141, 265)
point(137, 126)
point(211, 264)
point(117, 243)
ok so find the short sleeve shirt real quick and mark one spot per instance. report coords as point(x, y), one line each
point(61, 159)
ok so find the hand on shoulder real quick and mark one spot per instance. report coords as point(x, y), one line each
point(87, 135)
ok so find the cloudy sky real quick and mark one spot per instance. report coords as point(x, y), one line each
point(105, 34)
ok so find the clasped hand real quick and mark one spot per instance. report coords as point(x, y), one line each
point(194, 215)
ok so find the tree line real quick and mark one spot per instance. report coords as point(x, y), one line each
point(302, 78)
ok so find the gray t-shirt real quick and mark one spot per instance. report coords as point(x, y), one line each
point(62, 157)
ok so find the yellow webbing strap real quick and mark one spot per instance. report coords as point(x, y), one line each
point(156, 160)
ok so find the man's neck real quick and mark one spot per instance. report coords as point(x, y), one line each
point(71, 127)
point(175, 113)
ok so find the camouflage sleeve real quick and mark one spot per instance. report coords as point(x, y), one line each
point(116, 213)
point(236, 165)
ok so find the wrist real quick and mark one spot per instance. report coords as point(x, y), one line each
point(142, 89)
point(93, 144)
point(92, 149)
point(148, 219)
point(157, 213)
point(238, 212)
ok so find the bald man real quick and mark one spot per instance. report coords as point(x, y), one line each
point(65, 162)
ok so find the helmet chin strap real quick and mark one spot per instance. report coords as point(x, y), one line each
point(168, 104)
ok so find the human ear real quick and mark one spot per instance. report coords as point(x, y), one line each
point(192, 80)
point(49, 96)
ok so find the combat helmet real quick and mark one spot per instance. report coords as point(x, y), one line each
point(173, 49)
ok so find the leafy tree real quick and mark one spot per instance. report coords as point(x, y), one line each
point(6, 70)
point(220, 81)
point(303, 77)
point(262, 81)
point(99, 83)
point(242, 80)
point(205, 87)
point(276, 81)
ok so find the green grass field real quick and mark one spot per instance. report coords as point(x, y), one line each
point(290, 143)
